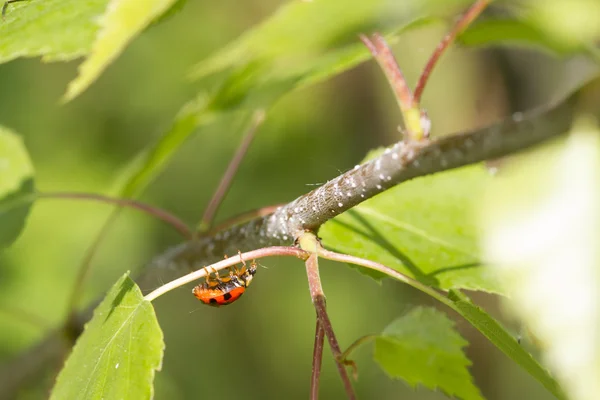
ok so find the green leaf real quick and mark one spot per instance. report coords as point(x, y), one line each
point(492, 330)
point(58, 30)
point(298, 31)
point(123, 20)
point(16, 185)
point(117, 354)
point(422, 228)
point(512, 32)
point(422, 347)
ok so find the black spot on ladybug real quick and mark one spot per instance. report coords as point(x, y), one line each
point(227, 296)
point(212, 301)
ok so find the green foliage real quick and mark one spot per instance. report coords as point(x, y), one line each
point(280, 55)
point(57, 30)
point(122, 21)
point(422, 228)
point(503, 340)
point(288, 38)
point(118, 352)
point(16, 185)
point(422, 347)
point(512, 32)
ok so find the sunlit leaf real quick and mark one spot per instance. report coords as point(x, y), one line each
point(492, 330)
point(422, 347)
point(423, 228)
point(117, 355)
point(58, 30)
point(123, 20)
point(542, 227)
point(16, 185)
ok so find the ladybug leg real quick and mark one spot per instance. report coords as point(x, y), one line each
point(240, 254)
point(210, 271)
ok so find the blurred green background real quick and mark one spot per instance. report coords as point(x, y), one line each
point(260, 347)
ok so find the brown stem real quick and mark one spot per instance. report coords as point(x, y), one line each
point(318, 298)
point(238, 219)
point(417, 123)
point(392, 273)
point(234, 164)
point(156, 212)
point(385, 58)
point(463, 22)
point(358, 342)
point(317, 360)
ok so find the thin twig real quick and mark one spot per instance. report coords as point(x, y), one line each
point(318, 298)
point(392, 273)
point(317, 360)
point(244, 217)
point(464, 21)
point(358, 342)
point(416, 121)
point(385, 58)
point(234, 164)
point(228, 262)
point(156, 212)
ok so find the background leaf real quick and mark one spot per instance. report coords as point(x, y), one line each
point(289, 35)
point(512, 32)
point(422, 347)
point(541, 220)
point(422, 228)
point(123, 20)
point(58, 30)
point(16, 185)
point(118, 352)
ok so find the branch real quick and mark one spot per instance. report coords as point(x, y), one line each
point(399, 163)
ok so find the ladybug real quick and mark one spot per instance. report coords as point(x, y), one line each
point(221, 291)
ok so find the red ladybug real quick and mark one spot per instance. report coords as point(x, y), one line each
point(221, 291)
